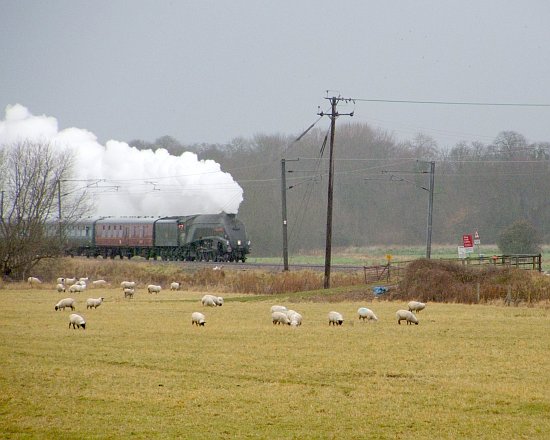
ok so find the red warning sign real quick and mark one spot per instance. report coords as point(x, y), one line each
point(467, 241)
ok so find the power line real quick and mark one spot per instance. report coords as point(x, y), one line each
point(483, 104)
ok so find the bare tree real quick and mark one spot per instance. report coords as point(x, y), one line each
point(33, 222)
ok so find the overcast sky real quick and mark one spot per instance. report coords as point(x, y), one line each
point(211, 71)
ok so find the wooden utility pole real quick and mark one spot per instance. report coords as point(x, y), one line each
point(283, 199)
point(328, 251)
point(430, 212)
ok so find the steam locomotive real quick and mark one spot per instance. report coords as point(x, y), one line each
point(219, 237)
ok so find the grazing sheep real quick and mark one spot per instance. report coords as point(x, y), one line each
point(61, 288)
point(278, 309)
point(66, 302)
point(416, 306)
point(198, 318)
point(77, 321)
point(152, 288)
point(280, 318)
point(212, 301)
point(406, 315)
point(70, 280)
point(76, 288)
point(366, 314)
point(175, 286)
point(335, 318)
point(61, 280)
point(33, 280)
point(99, 283)
point(295, 319)
point(81, 283)
point(94, 302)
point(85, 279)
point(128, 292)
point(128, 284)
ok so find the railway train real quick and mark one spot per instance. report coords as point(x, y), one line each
point(212, 237)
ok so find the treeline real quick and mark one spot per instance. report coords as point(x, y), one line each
point(381, 187)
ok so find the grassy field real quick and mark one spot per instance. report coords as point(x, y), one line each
point(140, 370)
point(377, 255)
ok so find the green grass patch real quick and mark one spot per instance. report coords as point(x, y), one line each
point(141, 370)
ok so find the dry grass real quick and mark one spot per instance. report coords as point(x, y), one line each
point(432, 280)
point(141, 370)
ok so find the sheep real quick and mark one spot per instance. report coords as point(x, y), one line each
point(366, 314)
point(66, 302)
point(295, 319)
point(33, 280)
point(175, 286)
point(81, 283)
point(278, 309)
point(217, 267)
point(77, 321)
point(335, 318)
point(84, 279)
point(94, 302)
point(128, 284)
point(99, 283)
point(70, 280)
point(280, 318)
point(60, 287)
point(61, 280)
point(152, 288)
point(406, 315)
point(416, 306)
point(198, 319)
point(128, 292)
point(212, 301)
point(76, 288)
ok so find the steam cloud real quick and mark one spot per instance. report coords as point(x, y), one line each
point(123, 180)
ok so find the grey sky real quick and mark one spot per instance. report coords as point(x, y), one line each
point(210, 71)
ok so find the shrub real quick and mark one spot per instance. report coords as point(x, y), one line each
point(520, 237)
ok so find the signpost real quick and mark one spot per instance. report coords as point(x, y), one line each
point(468, 243)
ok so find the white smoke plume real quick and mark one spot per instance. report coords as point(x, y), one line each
point(122, 180)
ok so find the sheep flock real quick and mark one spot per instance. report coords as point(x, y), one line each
point(280, 314)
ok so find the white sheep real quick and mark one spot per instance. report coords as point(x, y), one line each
point(33, 280)
point(61, 280)
point(84, 279)
point(99, 283)
point(60, 287)
point(416, 306)
point(65, 302)
point(366, 314)
point(335, 318)
point(406, 315)
point(278, 309)
point(280, 318)
point(94, 302)
point(81, 283)
point(198, 319)
point(175, 286)
point(76, 288)
point(295, 319)
point(152, 288)
point(128, 284)
point(212, 300)
point(70, 280)
point(77, 321)
point(128, 292)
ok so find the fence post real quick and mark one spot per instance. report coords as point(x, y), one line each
point(477, 292)
point(508, 299)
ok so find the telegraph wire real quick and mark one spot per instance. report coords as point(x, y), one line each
point(467, 103)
